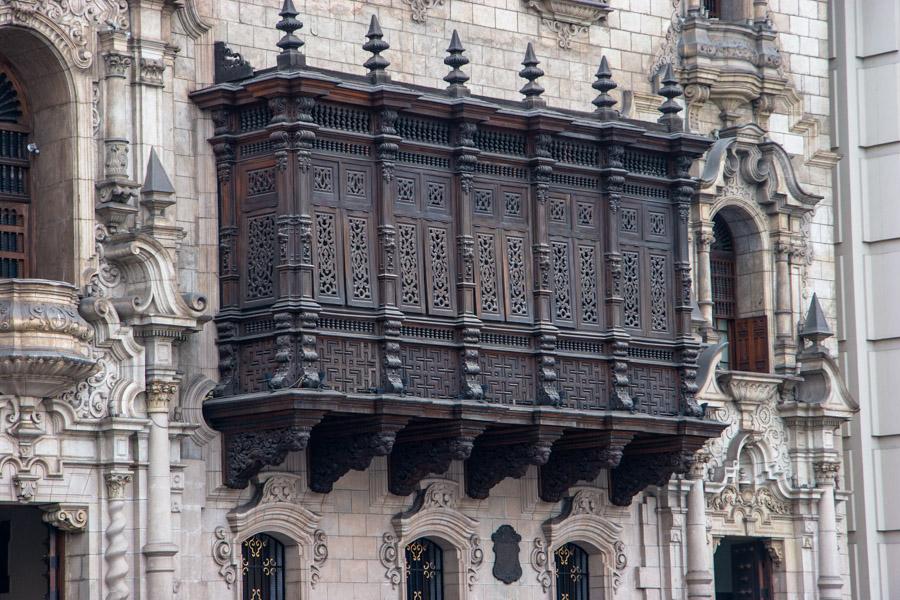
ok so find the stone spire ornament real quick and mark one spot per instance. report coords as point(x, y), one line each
point(603, 84)
point(455, 59)
point(531, 90)
point(290, 58)
point(376, 45)
point(670, 90)
point(815, 328)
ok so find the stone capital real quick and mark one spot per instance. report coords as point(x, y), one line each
point(116, 64)
point(704, 240)
point(159, 395)
point(826, 472)
point(116, 482)
point(66, 517)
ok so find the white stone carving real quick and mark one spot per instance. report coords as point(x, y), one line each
point(222, 552)
point(66, 517)
point(320, 555)
point(69, 24)
point(747, 501)
point(540, 561)
point(420, 8)
point(117, 542)
point(569, 19)
point(388, 555)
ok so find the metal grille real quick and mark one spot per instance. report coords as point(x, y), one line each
point(262, 568)
point(572, 576)
point(424, 571)
point(722, 268)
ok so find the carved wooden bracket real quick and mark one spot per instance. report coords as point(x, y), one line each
point(580, 457)
point(507, 452)
point(646, 463)
point(349, 443)
point(428, 448)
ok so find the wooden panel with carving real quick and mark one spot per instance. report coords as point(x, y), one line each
point(350, 365)
point(431, 371)
point(654, 389)
point(508, 377)
point(583, 383)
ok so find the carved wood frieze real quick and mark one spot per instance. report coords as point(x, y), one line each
point(428, 449)
point(580, 458)
point(506, 453)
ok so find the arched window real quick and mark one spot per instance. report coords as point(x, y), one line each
point(14, 182)
point(424, 570)
point(263, 568)
point(572, 573)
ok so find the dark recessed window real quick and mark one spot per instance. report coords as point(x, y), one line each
point(14, 182)
point(262, 567)
point(424, 570)
point(572, 575)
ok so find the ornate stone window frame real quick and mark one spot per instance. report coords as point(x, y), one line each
point(436, 516)
point(587, 523)
point(278, 514)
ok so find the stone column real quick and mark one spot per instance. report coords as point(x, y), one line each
point(830, 581)
point(784, 345)
point(116, 117)
point(704, 239)
point(159, 549)
point(699, 577)
point(116, 540)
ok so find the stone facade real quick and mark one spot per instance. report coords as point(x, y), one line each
point(111, 443)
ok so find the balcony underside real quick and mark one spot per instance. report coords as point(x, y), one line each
point(343, 432)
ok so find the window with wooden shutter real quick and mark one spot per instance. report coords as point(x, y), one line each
point(750, 345)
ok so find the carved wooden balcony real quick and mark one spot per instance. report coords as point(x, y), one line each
point(436, 277)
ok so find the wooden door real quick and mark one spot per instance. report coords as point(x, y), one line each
point(751, 573)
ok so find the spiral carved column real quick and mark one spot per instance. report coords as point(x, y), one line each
point(117, 543)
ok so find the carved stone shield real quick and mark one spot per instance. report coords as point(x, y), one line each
point(507, 567)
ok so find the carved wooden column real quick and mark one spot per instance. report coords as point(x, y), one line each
point(830, 581)
point(466, 156)
point(699, 577)
point(785, 346)
point(116, 539)
point(613, 174)
point(546, 332)
point(229, 276)
point(159, 550)
point(704, 239)
point(683, 194)
point(389, 316)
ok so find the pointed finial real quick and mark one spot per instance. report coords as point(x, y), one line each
point(156, 180)
point(455, 59)
point(376, 45)
point(670, 90)
point(603, 84)
point(531, 90)
point(290, 44)
point(815, 327)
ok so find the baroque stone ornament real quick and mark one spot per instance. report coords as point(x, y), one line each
point(68, 24)
point(420, 8)
point(507, 567)
point(540, 561)
point(388, 556)
point(569, 19)
point(222, 555)
point(320, 556)
point(66, 517)
point(759, 503)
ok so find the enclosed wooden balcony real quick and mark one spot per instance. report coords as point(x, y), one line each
point(434, 276)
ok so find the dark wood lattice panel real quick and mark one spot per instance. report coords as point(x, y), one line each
point(257, 364)
point(723, 286)
point(13, 228)
point(654, 389)
point(431, 371)
point(583, 383)
point(10, 108)
point(508, 377)
point(349, 365)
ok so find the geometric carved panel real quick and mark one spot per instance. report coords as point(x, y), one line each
point(583, 383)
point(431, 371)
point(257, 363)
point(508, 377)
point(350, 365)
point(654, 389)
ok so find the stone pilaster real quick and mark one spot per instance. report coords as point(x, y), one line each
point(830, 582)
point(699, 577)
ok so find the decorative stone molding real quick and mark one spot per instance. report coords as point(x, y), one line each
point(762, 502)
point(222, 553)
point(116, 64)
point(71, 518)
point(435, 514)
point(26, 486)
point(775, 550)
point(117, 542)
point(586, 521)
point(827, 472)
point(569, 19)
point(420, 8)
point(90, 398)
point(68, 24)
point(46, 343)
point(540, 561)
